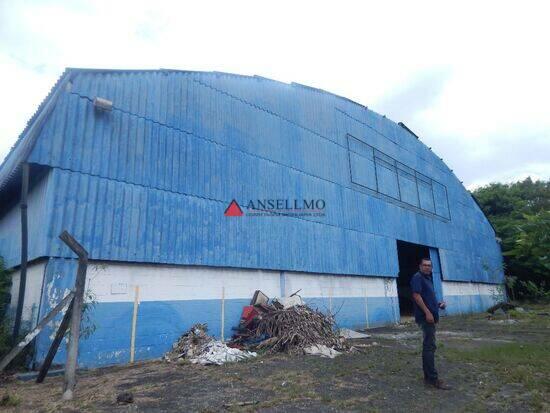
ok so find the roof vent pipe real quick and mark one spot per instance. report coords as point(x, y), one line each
point(103, 104)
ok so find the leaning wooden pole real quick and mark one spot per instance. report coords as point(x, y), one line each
point(76, 316)
point(30, 336)
point(55, 344)
point(24, 250)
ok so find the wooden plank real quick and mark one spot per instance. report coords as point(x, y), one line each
point(55, 344)
point(134, 323)
point(29, 337)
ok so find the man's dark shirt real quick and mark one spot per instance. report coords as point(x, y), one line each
point(423, 285)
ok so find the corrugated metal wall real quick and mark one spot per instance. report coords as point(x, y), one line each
point(150, 180)
point(38, 217)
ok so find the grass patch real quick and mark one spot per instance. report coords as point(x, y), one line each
point(9, 400)
point(524, 364)
point(512, 354)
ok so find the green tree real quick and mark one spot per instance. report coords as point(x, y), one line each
point(519, 213)
point(531, 253)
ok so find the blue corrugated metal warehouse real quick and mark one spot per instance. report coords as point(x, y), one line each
point(142, 167)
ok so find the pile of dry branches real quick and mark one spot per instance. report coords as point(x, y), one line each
point(293, 329)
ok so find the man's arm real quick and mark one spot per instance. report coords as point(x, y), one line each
point(420, 302)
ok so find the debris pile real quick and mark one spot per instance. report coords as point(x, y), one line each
point(190, 343)
point(198, 347)
point(293, 329)
point(506, 313)
point(275, 325)
point(501, 308)
point(286, 325)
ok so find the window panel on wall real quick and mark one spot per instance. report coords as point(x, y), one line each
point(373, 169)
point(387, 178)
point(407, 188)
point(362, 171)
point(425, 193)
point(360, 148)
point(441, 202)
point(361, 163)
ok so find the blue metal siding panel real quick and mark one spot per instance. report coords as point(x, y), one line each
point(363, 171)
point(38, 212)
point(155, 174)
point(209, 237)
point(387, 179)
point(407, 188)
point(440, 197)
point(425, 194)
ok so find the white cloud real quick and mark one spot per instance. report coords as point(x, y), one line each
point(464, 76)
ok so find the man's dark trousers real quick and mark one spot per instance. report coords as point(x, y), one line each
point(428, 351)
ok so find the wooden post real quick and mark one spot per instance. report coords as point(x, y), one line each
point(29, 337)
point(76, 316)
point(55, 344)
point(367, 306)
point(134, 323)
point(24, 250)
point(223, 314)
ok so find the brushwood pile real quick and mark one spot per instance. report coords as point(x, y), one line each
point(286, 327)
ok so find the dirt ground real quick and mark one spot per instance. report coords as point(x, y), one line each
point(493, 365)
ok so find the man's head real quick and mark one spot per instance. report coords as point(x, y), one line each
point(425, 266)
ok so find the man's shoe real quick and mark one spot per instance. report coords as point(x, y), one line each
point(438, 384)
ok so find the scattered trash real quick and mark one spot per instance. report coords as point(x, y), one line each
point(348, 333)
point(259, 298)
point(198, 347)
point(239, 404)
point(373, 344)
point(510, 321)
point(190, 343)
point(287, 302)
point(216, 352)
point(321, 350)
point(125, 398)
point(406, 335)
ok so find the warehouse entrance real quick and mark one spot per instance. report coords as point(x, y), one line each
point(409, 256)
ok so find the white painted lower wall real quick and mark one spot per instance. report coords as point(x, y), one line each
point(469, 288)
point(322, 285)
point(33, 291)
point(468, 297)
point(116, 282)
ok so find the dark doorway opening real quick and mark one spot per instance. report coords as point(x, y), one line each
point(409, 256)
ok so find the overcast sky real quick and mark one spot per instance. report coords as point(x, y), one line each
point(471, 79)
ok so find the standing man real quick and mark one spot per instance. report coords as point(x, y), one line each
point(426, 314)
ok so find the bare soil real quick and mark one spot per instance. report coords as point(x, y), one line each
point(493, 365)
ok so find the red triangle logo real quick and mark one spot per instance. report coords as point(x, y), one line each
point(233, 210)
